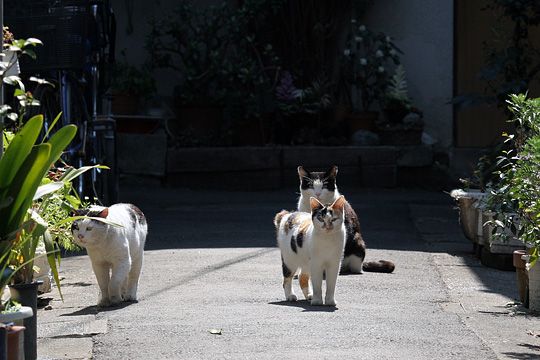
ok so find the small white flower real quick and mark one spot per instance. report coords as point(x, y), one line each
point(393, 52)
point(358, 38)
point(363, 61)
point(388, 39)
point(380, 69)
point(379, 53)
point(362, 28)
point(347, 52)
point(353, 21)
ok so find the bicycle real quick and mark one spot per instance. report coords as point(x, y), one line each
point(77, 54)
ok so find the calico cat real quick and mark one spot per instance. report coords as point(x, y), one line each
point(312, 245)
point(322, 185)
point(116, 252)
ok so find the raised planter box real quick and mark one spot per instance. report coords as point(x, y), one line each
point(256, 168)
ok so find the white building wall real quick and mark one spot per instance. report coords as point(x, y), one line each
point(423, 30)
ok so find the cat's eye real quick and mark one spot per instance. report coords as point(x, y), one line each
point(89, 228)
point(335, 219)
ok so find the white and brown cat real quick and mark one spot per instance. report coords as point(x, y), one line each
point(311, 245)
point(116, 251)
point(322, 185)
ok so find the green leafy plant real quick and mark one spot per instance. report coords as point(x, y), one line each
point(22, 169)
point(368, 60)
point(193, 41)
point(219, 59)
point(515, 194)
point(512, 57)
point(396, 101)
point(131, 80)
point(310, 100)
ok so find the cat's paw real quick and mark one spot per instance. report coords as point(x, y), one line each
point(130, 298)
point(316, 302)
point(309, 297)
point(292, 297)
point(115, 300)
point(105, 302)
point(330, 302)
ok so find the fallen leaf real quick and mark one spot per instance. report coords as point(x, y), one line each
point(215, 331)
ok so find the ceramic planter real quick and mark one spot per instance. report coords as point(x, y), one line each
point(498, 245)
point(534, 287)
point(469, 215)
point(522, 276)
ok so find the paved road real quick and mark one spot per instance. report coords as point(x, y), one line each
point(211, 264)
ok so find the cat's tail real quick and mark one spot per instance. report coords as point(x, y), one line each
point(381, 266)
point(279, 216)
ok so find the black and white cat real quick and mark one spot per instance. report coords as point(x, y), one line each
point(311, 245)
point(322, 185)
point(116, 251)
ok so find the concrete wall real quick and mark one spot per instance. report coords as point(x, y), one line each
point(423, 30)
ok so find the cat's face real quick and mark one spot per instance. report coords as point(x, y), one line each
point(320, 185)
point(88, 232)
point(327, 217)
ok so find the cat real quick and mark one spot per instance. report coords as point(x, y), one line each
point(322, 185)
point(312, 244)
point(116, 250)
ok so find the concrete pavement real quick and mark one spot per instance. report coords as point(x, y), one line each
point(211, 288)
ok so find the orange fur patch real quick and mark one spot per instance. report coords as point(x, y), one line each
point(304, 281)
point(303, 226)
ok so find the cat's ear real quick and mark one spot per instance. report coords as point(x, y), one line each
point(78, 212)
point(315, 204)
point(103, 213)
point(332, 172)
point(339, 203)
point(302, 172)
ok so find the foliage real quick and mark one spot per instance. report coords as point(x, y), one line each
point(517, 191)
point(216, 53)
point(397, 88)
point(308, 37)
point(310, 100)
point(193, 42)
point(368, 60)
point(22, 169)
point(131, 80)
point(27, 189)
point(512, 57)
point(25, 99)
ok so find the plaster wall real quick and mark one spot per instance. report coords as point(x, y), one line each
point(423, 30)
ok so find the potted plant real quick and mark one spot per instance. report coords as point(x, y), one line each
point(402, 124)
point(130, 87)
point(515, 191)
point(368, 60)
point(193, 42)
point(300, 109)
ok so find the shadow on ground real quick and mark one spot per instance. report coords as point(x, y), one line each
point(306, 305)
